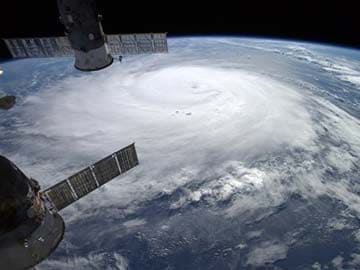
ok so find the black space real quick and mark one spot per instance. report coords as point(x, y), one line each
point(334, 22)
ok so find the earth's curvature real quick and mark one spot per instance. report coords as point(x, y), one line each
point(249, 154)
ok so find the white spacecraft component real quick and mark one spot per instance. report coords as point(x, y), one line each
point(86, 40)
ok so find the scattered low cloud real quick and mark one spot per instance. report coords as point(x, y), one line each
point(106, 261)
point(267, 252)
point(205, 133)
point(338, 262)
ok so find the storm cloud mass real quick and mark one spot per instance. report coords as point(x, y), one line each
point(244, 161)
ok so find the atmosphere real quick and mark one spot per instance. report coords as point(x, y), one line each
point(248, 148)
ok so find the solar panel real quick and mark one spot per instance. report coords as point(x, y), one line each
point(62, 46)
point(61, 195)
point(106, 169)
point(160, 42)
point(16, 47)
point(82, 183)
point(145, 43)
point(39, 47)
point(32, 48)
point(49, 48)
point(126, 44)
point(127, 158)
point(114, 44)
point(123, 44)
point(123, 161)
point(133, 155)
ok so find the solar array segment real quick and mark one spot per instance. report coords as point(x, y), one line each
point(127, 44)
point(39, 47)
point(82, 183)
point(121, 44)
point(106, 169)
point(61, 195)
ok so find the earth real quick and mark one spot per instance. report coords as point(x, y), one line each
point(249, 154)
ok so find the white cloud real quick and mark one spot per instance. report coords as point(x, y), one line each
point(338, 262)
point(357, 235)
point(343, 69)
point(316, 266)
point(338, 224)
point(354, 79)
point(341, 159)
point(250, 138)
point(106, 261)
point(254, 234)
point(241, 246)
point(235, 114)
point(229, 179)
point(267, 252)
point(355, 262)
point(134, 223)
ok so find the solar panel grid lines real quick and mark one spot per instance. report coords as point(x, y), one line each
point(61, 195)
point(119, 44)
point(134, 156)
point(16, 48)
point(106, 169)
point(127, 44)
point(39, 47)
point(117, 162)
point(93, 174)
point(89, 179)
point(11, 48)
point(113, 42)
point(75, 196)
point(83, 182)
point(123, 160)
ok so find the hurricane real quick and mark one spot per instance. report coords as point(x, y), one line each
point(248, 151)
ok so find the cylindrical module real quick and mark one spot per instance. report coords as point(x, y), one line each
point(30, 243)
point(15, 193)
point(83, 28)
point(29, 231)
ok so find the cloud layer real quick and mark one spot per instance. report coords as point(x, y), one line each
point(217, 133)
